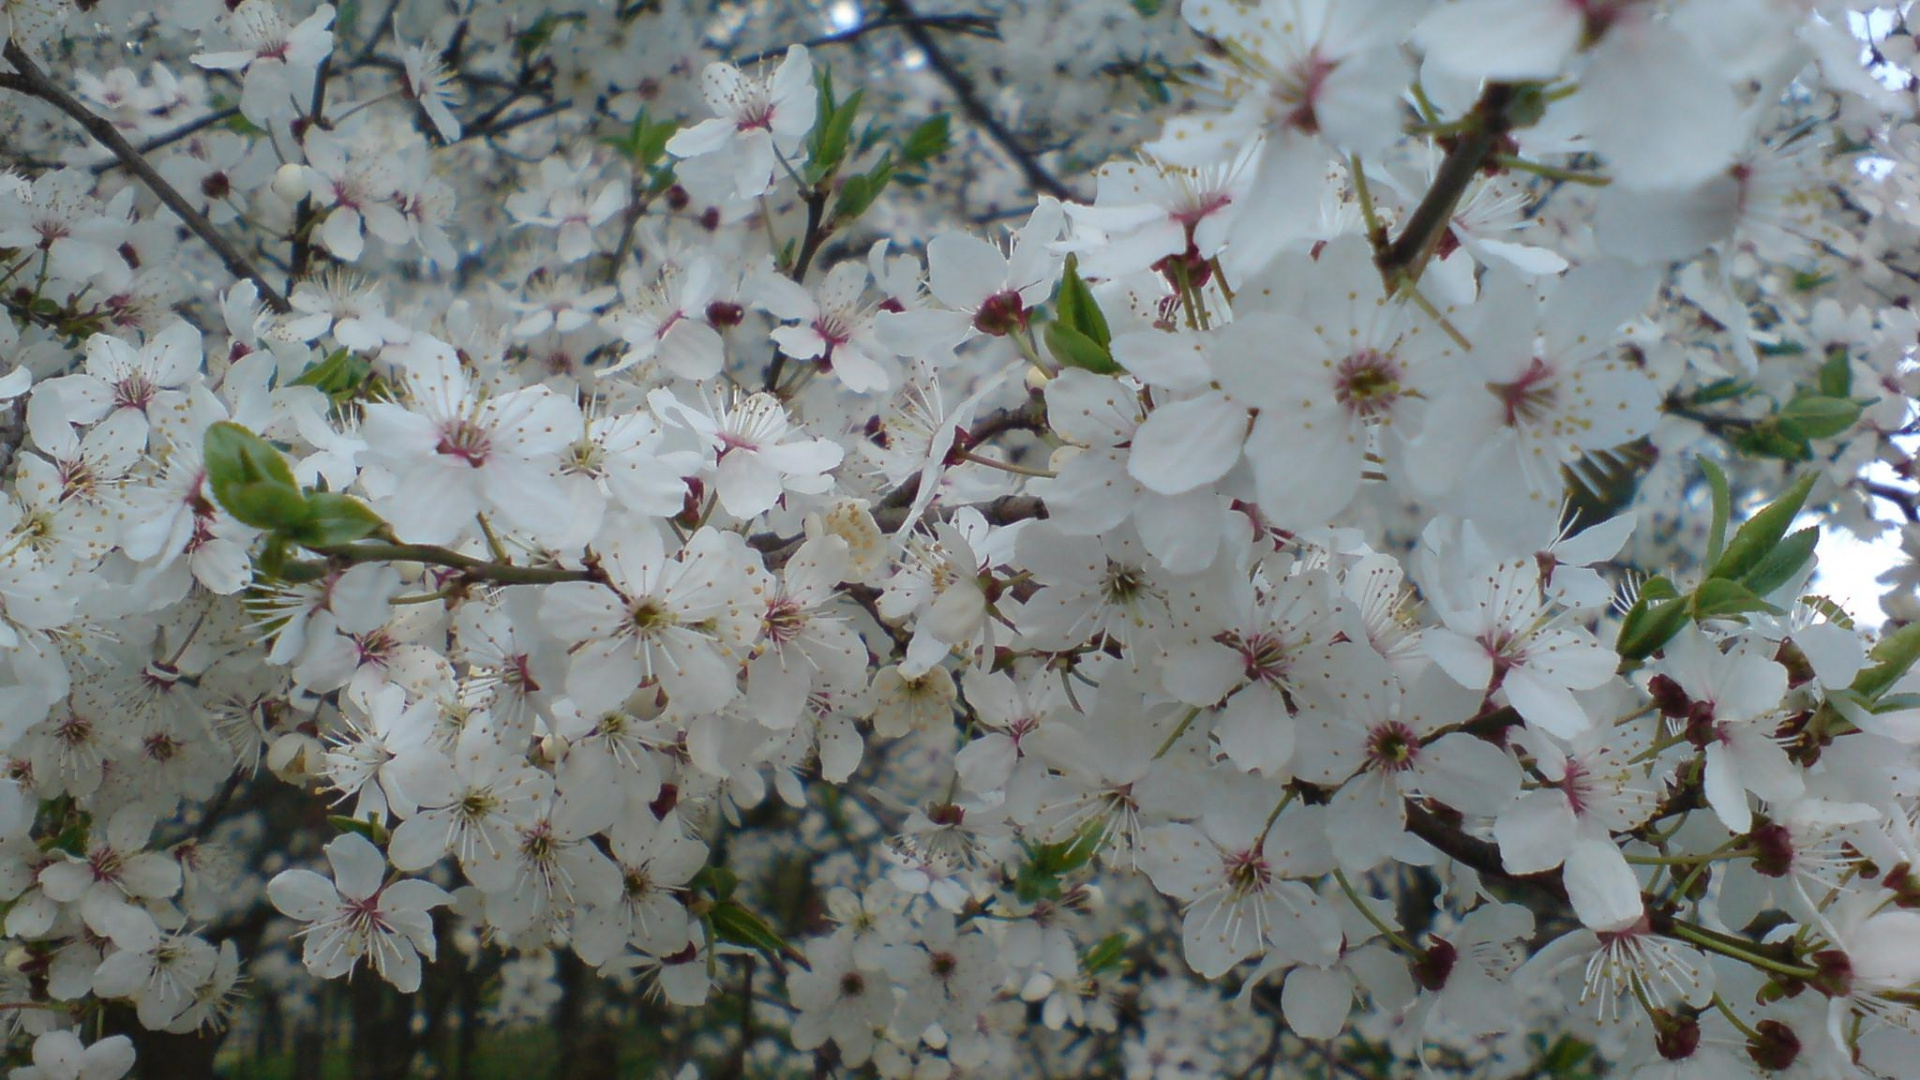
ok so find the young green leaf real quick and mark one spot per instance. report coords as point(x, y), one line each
point(1650, 625)
point(1783, 563)
point(1761, 532)
point(1718, 598)
point(1071, 348)
point(335, 519)
point(929, 139)
point(1893, 655)
point(1722, 507)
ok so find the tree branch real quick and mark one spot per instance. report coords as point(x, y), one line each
point(976, 25)
point(33, 82)
point(968, 97)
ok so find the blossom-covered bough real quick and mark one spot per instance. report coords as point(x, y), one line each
point(1228, 539)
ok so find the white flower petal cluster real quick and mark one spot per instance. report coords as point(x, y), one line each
point(582, 503)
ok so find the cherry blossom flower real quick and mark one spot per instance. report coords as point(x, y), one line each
point(760, 122)
point(359, 915)
point(456, 450)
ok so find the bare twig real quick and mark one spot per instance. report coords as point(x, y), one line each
point(977, 25)
point(33, 82)
point(968, 97)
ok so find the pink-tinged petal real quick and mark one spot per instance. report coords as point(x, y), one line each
point(702, 138)
point(964, 270)
point(1316, 1001)
point(358, 866)
point(1502, 39)
point(1724, 791)
point(1545, 704)
point(1464, 659)
point(1535, 832)
point(1366, 821)
point(303, 895)
point(1186, 444)
point(1179, 860)
point(1603, 888)
point(1660, 113)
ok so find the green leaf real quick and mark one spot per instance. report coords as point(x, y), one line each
point(717, 881)
point(1039, 877)
point(1650, 625)
point(1762, 532)
point(1783, 563)
point(858, 192)
point(1148, 8)
point(368, 827)
point(1722, 507)
point(1077, 307)
point(1836, 375)
point(1892, 655)
point(251, 480)
point(1658, 587)
point(1770, 438)
point(335, 519)
point(340, 376)
point(1071, 348)
point(645, 141)
point(1718, 598)
point(1720, 390)
point(1106, 954)
point(830, 148)
point(1818, 417)
point(735, 924)
point(931, 138)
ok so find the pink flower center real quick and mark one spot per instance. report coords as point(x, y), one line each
point(1530, 397)
point(1367, 384)
point(465, 440)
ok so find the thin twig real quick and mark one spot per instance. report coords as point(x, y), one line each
point(168, 138)
point(976, 25)
point(970, 103)
point(33, 82)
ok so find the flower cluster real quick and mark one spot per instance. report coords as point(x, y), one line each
point(1266, 537)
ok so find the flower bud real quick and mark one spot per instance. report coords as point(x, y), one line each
point(290, 182)
point(1774, 1047)
point(294, 757)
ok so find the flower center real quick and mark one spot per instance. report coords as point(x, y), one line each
point(1529, 398)
point(465, 440)
point(1367, 384)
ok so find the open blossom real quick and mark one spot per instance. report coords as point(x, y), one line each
point(833, 326)
point(755, 461)
point(359, 915)
point(1233, 876)
point(654, 619)
point(457, 450)
point(761, 121)
point(280, 60)
point(982, 289)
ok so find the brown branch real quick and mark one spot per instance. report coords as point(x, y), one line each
point(977, 25)
point(1402, 259)
point(33, 82)
point(167, 138)
point(968, 96)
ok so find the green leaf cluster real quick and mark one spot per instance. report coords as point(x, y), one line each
point(1760, 557)
point(252, 481)
point(1077, 335)
point(1042, 876)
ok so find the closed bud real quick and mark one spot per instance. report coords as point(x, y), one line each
point(290, 182)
